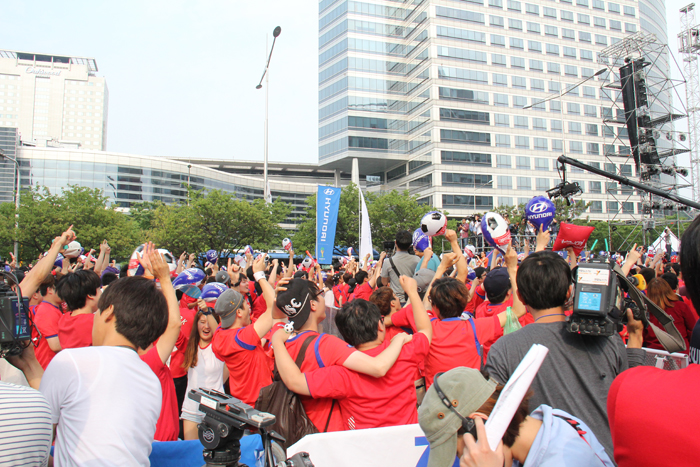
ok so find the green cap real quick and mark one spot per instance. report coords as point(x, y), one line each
point(467, 389)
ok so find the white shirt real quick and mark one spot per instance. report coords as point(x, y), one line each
point(329, 298)
point(106, 402)
point(25, 426)
point(208, 374)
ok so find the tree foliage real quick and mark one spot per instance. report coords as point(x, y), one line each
point(43, 216)
point(215, 220)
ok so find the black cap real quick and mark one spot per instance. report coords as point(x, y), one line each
point(295, 302)
point(496, 282)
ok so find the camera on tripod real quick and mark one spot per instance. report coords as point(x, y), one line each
point(225, 420)
point(15, 325)
point(600, 305)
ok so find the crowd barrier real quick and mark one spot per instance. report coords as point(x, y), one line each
point(397, 446)
point(664, 360)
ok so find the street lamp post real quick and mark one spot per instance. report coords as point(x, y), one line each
point(265, 75)
point(13, 160)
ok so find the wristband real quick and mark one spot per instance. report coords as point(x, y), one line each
point(259, 275)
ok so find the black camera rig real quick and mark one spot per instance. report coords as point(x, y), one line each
point(15, 320)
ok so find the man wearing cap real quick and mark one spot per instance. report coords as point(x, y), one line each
point(365, 401)
point(400, 264)
point(305, 307)
point(238, 342)
point(499, 296)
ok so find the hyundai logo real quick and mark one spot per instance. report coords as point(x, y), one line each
point(539, 207)
point(328, 191)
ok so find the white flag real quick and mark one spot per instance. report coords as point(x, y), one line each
point(365, 231)
point(268, 193)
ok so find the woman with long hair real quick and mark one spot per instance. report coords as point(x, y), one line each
point(659, 292)
point(204, 370)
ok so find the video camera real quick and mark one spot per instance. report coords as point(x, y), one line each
point(15, 322)
point(600, 305)
point(225, 419)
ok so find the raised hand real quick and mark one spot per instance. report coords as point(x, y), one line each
point(408, 284)
point(259, 264)
point(448, 259)
point(450, 235)
point(511, 257)
point(542, 239)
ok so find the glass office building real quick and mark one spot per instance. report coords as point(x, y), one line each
point(434, 96)
point(127, 179)
point(9, 140)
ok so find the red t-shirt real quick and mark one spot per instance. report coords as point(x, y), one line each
point(453, 341)
point(477, 299)
point(75, 331)
point(259, 308)
point(168, 425)
point(326, 350)
point(368, 402)
point(669, 399)
point(248, 364)
point(362, 291)
point(187, 315)
point(46, 318)
point(683, 318)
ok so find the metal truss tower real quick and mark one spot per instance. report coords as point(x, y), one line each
point(689, 47)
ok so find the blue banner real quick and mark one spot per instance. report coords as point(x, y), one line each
point(327, 204)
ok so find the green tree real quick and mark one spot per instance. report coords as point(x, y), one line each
point(43, 216)
point(217, 220)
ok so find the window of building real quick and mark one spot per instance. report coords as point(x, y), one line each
point(566, 15)
point(596, 207)
point(515, 24)
point(541, 144)
point(503, 161)
point(542, 184)
point(593, 149)
point(610, 167)
point(505, 201)
point(554, 87)
point(466, 180)
point(522, 162)
point(496, 3)
point(626, 170)
point(573, 108)
point(575, 128)
point(468, 137)
point(594, 187)
point(576, 147)
point(599, 5)
point(505, 182)
point(583, 19)
point(630, 27)
point(467, 95)
point(496, 21)
point(628, 208)
point(568, 34)
point(514, 6)
point(584, 36)
point(557, 145)
point(541, 164)
point(519, 102)
point(502, 141)
point(517, 62)
point(613, 8)
point(601, 40)
point(591, 129)
point(552, 49)
point(536, 84)
point(583, 3)
point(534, 46)
point(569, 52)
point(599, 23)
point(501, 120)
point(555, 106)
point(629, 11)
point(462, 15)
point(586, 55)
point(499, 79)
point(615, 25)
point(462, 115)
point(498, 59)
point(612, 206)
point(590, 111)
point(539, 124)
point(536, 65)
point(524, 183)
point(532, 9)
point(522, 142)
point(465, 158)
point(500, 99)
point(533, 27)
point(553, 68)
point(499, 41)
point(519, 82)
point(570, 70)
point(551, 31)
point(516, 43)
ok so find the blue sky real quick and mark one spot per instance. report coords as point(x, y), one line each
point(182, 75)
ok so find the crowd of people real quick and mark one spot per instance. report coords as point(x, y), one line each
point(421, 338)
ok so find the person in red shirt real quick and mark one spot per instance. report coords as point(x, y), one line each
point(459, 339)
point(388, 303)
point(80, 291)
point(239, 341)
point(168, 425)
point(365, 401)
point(661, 293)
point(188, 310)
point(478, 295)
point(46, 317)
point(305, 307)
point(499, 296)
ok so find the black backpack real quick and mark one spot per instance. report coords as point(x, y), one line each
point(292, 423)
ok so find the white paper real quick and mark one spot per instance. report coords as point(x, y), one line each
point(513, 393)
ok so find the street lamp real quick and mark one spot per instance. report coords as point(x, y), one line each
point(5, 156)
point(480, 186)
point(265, 75)
point(562, 93)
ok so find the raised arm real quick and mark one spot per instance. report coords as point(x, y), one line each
point(542, 239)
point(273, 272)
point(427, 254)
point(461, 265)
point(181, 262)
point(154, 263)
point(265, 321)
point(103, 259)
point(290, 268)
point(377, 270)
point(512, 264)
point(43, 268)
point(448, 259)
point(420, 316)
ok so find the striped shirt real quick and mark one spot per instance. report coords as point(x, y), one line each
point(25, 426)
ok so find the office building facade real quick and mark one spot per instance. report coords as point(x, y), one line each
point(441, 97)
point(53, 98)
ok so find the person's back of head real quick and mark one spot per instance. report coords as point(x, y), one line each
point(360, 277)
point(346, 277)
point(124, 270)
point(690, 261)
point(543, 279)
point(449, 297)
point(136, 308)
point(496, 285)
point(49, 282)
point(671, 279)
point(404, 240)
point(660, 292)
point(358, 322)
point(648, 274)
point(382, 297)
point(675, 268)
point(76, 287)
point(108, 278)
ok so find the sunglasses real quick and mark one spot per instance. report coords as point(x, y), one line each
point(468, 425)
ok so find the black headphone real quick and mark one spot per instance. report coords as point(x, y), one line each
point(467, 423)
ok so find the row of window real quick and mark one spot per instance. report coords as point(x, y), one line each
point(536, 28)
point(550, 49)
point(595, 207)
point(533, 9)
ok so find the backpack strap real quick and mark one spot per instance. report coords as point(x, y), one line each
point(479, 348)
point(302, 352)
point(328, 422)
point(393, 266)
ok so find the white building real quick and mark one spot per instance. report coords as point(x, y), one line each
point(53, 98)
point(441, 97)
